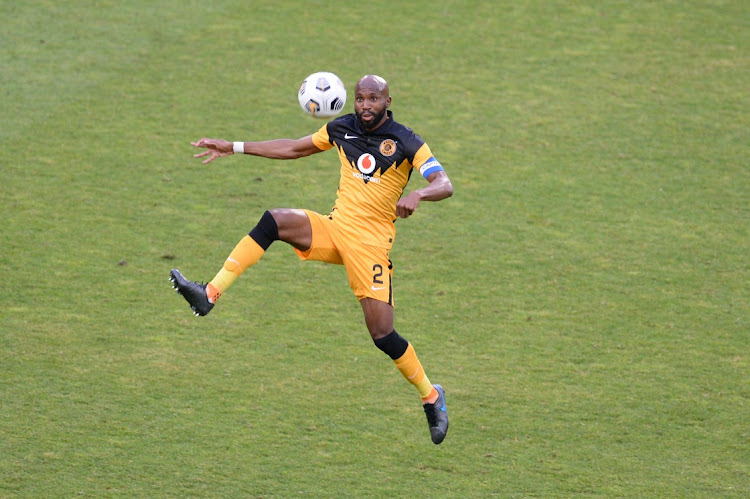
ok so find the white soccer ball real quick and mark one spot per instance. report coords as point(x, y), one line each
point(322, 95)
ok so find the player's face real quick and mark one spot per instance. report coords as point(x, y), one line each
point(370, 105)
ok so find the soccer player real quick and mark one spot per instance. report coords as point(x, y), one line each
point(377, 156)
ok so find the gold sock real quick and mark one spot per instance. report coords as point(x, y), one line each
point(411, 369)
point(246, 253)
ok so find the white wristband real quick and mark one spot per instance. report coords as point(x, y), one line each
point(239, 147)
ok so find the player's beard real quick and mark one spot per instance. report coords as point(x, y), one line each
point(375, 121)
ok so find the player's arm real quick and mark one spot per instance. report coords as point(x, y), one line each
point(273, 149)
point(440, 187)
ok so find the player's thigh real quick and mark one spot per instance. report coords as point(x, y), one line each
point(322, 246)
point(294, 227)
point(378, 317)
point(370, 271)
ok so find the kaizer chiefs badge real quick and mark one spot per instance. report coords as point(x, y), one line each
point(387, 147)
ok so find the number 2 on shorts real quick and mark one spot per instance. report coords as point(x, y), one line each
point(378, 269)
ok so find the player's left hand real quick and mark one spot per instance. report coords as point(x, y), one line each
point(407, 205)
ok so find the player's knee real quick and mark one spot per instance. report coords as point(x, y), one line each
point(377, 333)
point(269, 224)
point(266, 232)
point(392, 344)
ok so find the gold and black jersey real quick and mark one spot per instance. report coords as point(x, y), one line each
point(375, 168)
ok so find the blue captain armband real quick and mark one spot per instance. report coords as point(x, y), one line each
point(430, 166)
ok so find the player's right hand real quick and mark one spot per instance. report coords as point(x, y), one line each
point(215, 148)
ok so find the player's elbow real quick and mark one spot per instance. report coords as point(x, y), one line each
point(447, 189)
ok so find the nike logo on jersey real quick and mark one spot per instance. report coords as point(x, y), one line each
point(347, 136)
point(377, 289)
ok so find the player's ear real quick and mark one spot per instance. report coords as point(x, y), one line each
point(388, 102)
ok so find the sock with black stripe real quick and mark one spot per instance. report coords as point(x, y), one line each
point(403, 355)
point(248, 252)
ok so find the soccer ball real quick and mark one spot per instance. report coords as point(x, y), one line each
point(322, 95)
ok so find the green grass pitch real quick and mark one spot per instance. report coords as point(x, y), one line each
point(584, 297)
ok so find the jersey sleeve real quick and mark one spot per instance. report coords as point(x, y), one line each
point(321, 139)
point(425, 162)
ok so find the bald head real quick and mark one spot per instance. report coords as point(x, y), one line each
point(371, 101)
point(373, 82)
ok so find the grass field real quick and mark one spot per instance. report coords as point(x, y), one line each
point(584, 297)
